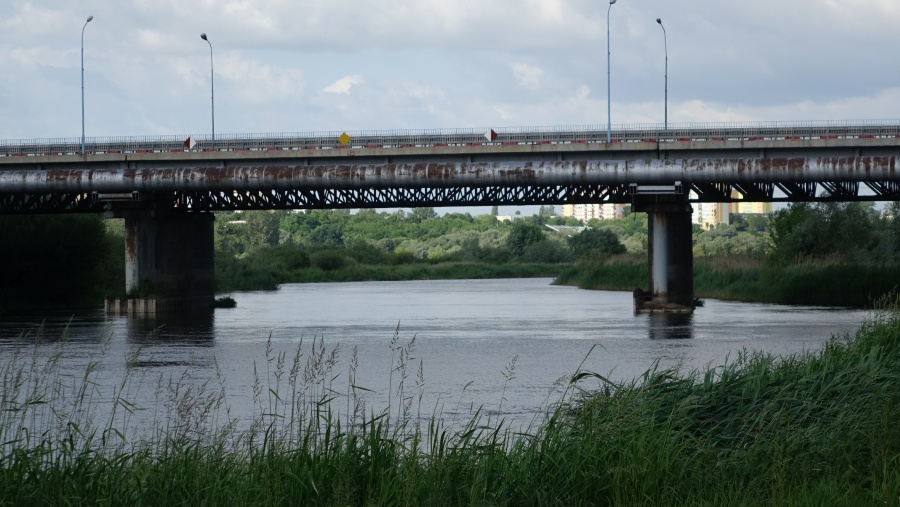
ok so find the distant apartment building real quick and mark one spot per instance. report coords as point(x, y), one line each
point(752, 208)
point(585, 212)
point(613, 211)
point(710, 214)
point(582, 212)
point(706, 214)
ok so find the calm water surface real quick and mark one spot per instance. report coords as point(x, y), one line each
point(497, 344)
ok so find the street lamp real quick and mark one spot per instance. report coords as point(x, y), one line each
point(89, 18)
point(666, 46)
point(608, 80)
point(212, 96)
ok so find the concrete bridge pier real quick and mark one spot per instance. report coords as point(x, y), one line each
point(670, 255)
point(169, 264)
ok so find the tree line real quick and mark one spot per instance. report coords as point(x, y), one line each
point(66, 259)
point(419, 235)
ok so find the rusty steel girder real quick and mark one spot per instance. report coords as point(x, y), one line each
point(448, 184)
point(443, 175)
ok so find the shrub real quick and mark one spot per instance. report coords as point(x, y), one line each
point(365, 253)
point(328, 260)
point(286, 257)
point(546, 251)
point(400, 257)
point(522, 235)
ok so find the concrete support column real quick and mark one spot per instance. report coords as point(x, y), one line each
point(671, 257)
point(169, 259)
point(140, 251)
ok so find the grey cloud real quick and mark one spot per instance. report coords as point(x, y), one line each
point(433, 63)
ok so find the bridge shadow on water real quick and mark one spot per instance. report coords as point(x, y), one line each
point(670, 326)
point(193, 329)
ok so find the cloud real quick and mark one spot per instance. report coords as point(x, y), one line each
point(42, 57)
point(258, 82)
point(383, 64)
point(527, 76)
point(343, 85)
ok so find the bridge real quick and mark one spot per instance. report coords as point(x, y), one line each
point(165, 186)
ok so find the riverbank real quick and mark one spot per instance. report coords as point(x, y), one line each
point(751, 279)
point(810, 429)
point(242, 276)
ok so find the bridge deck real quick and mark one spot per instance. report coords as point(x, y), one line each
point(764, 162)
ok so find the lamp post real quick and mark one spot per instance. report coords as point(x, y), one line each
point(666, 46)
point(89, 18)
point(608, 79)
point(212, 86)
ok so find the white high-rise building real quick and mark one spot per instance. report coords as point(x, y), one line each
point(612, 211)
point(709, 214)
point(585, 212)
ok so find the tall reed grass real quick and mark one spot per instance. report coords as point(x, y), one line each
point(807, 429)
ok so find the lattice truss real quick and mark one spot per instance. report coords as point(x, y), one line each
point(402, 197)
point(337, 198)
point(796, 192)
point(49, 203)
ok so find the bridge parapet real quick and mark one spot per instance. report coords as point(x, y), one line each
point(467, 139)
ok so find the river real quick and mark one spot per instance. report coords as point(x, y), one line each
point(506, 346)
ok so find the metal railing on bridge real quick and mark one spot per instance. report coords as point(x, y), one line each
point(331, 140)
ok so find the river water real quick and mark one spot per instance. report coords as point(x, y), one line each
point(505, 346)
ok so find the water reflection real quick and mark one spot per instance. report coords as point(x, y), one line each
point(62, 325)
point(671, 326)
point(467, 333)
point(196, 329)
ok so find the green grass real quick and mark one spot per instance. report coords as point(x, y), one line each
point(621, 272)
point(739, 278)
point(808, 429)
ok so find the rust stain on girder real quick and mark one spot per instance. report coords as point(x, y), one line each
point(440, 174)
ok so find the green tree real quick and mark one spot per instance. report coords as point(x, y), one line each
point(229, 233)
point(845, 230)
point(521, 235)
point(892, 229)
point(50, 260)
point(326, 235)
point(422, 214)
point(261, 228)
point(546, 211)
point(591, 243)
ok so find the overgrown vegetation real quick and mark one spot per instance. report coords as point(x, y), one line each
point(833, 254)
point(51, 260)
point(808, 429)
point(259, 250)
point(744, 278)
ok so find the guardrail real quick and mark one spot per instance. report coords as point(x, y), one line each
point(327, 140)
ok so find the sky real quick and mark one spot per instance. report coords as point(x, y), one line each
point(346, 65)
